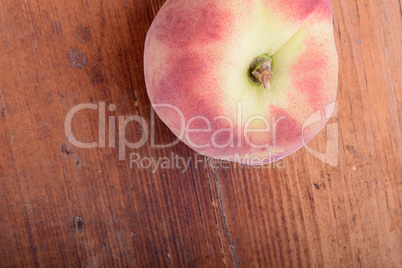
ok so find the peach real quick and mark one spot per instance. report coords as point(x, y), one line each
point(237, 80)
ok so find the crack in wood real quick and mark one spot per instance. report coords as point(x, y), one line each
point(218, 192)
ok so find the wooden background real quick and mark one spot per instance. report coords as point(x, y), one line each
point(65, 206)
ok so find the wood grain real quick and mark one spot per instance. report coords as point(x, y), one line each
point(61, 205)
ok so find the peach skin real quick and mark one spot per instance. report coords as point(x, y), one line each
point(237, 80)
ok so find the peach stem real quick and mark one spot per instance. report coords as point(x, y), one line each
point(261, 71)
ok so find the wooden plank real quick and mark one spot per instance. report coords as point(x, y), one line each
point(56, 56)
point(310, 214)
point(61, 205)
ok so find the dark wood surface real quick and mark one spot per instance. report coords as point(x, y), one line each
point(61, 205)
